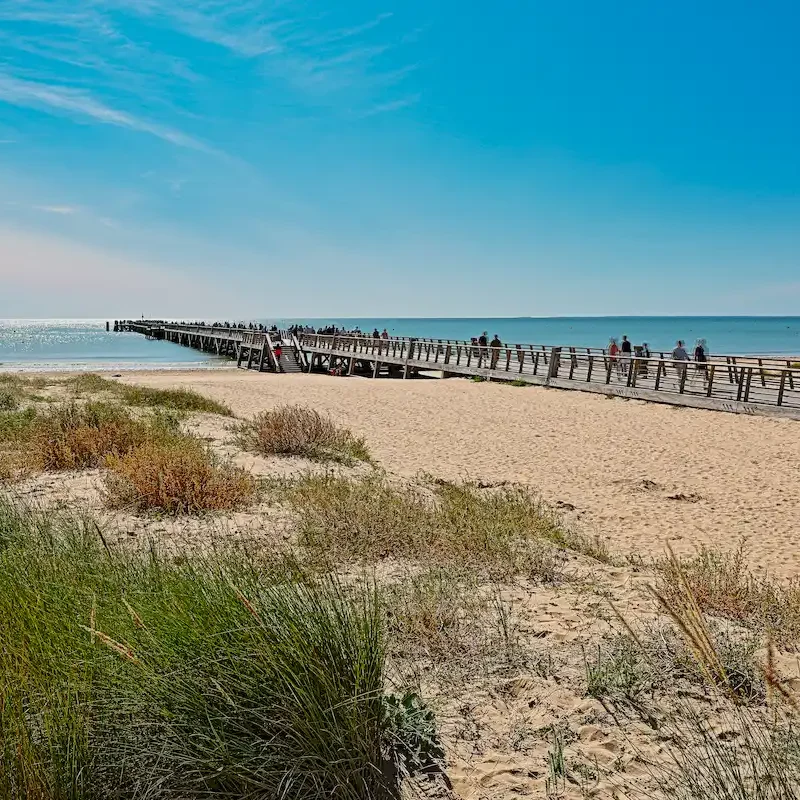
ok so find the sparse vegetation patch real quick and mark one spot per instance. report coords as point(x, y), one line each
point(299, 431)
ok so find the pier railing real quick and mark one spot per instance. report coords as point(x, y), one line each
point(730, 383)
point(744, 384)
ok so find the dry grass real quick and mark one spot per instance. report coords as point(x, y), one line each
point(177, 475)
point(505, 532)
point(300, 431)
point(722, 584)
point(632, 665)
point(433, 614)
point(73, 436)
point(70, 436)
point(8, 400)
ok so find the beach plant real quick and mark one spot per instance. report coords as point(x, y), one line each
point(180, 400)
point(9, 400)
point(80, 436)
point(177, 475)
point(433, 613)
point(91, 383)
point(300, 431)
point(756, 757)
point(503, 531)
point(127, 674)
point(722, 584)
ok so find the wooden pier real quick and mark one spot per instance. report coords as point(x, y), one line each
point(740, 384)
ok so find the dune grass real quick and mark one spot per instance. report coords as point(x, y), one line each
point(300, 431)
point(177, 475)
point(14, 389)
point(9, 400)
point(722, 584)
point(69, 436)
point(183, 400)
point(504, 531)
point(758, 759)
point(131, 675)
point(631, 666)
point(180, 400)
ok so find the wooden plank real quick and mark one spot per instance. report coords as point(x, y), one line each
point(782, 387)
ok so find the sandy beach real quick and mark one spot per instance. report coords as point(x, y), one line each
point(639, 474)
point(505, 693)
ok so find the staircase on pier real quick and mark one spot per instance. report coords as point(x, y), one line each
point(289, 362)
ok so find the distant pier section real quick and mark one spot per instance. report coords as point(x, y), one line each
point(740, 384)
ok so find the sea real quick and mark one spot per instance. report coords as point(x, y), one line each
point(80, 344)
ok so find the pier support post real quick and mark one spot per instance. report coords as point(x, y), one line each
point(555, 359)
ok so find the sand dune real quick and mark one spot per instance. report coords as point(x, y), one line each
point(639, 474)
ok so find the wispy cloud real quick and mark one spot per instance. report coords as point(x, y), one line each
point(62, 210)
point(66, 100)
point(392, 105)
point(325, 62)
point(82, 59)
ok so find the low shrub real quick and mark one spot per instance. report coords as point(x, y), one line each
point(72, 436)
point(91, 383)
point(508, 530)
point(300, 431)
point(15, 426)
point(9, 400)
point(178, 475)
point(204, 676)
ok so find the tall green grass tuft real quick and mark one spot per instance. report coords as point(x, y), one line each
point(129, 675)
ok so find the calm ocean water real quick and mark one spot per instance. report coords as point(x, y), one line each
point(79, 344)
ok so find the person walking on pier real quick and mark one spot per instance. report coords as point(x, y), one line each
point(701, 359)
point(680, 357)
point(483, 341)
point(495, 344)
point(626, 354)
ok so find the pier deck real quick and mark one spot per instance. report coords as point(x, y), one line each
point(739, 384)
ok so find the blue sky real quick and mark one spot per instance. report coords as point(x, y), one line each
point(436, 158)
